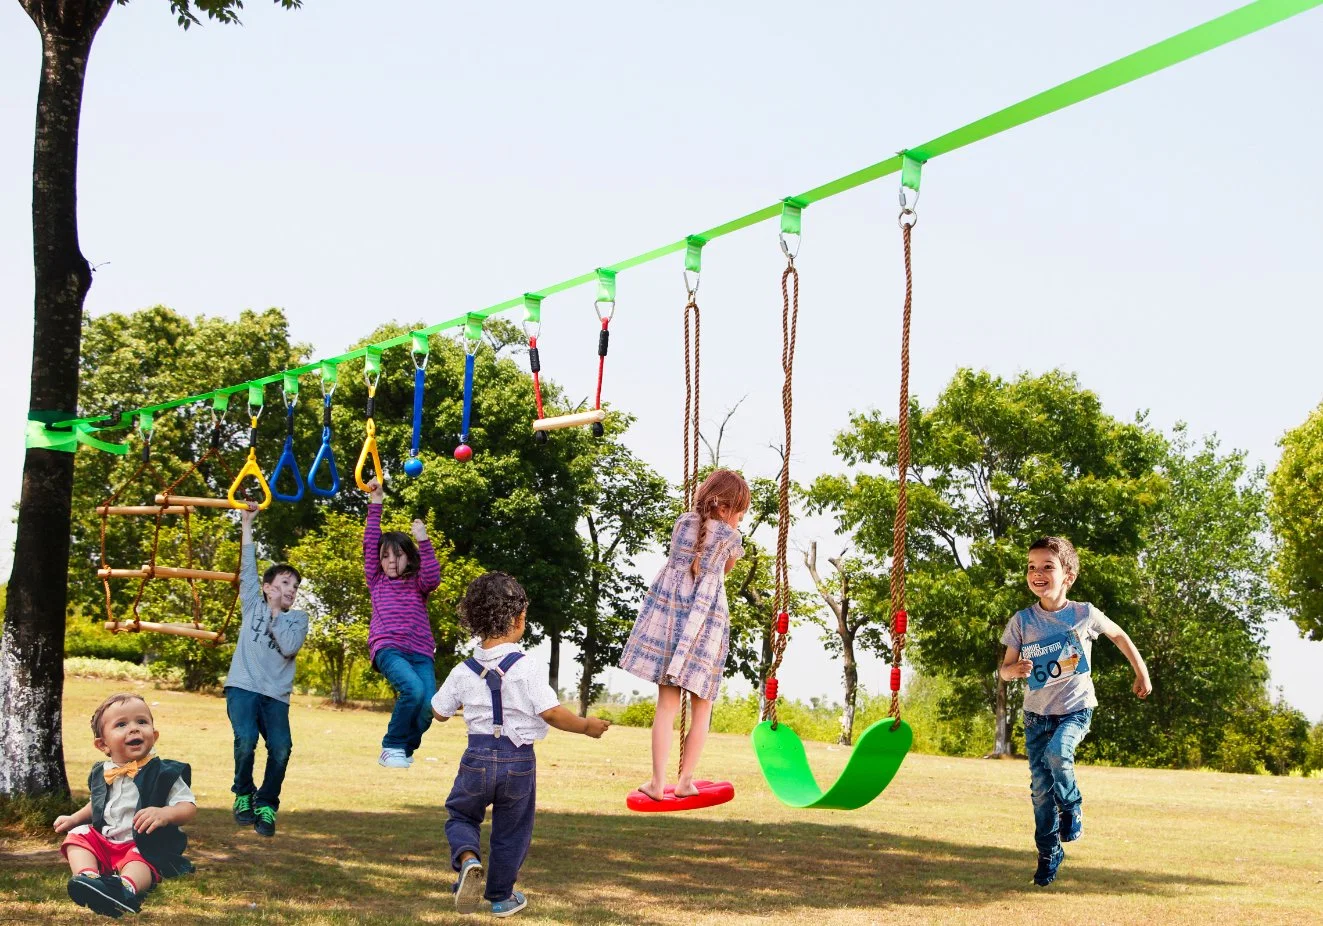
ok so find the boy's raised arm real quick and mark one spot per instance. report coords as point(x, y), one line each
point(1143, 685)
point(250, 587)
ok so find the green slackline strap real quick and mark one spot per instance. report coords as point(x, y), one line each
point(606, 285)
point(693, 253)
point(1202, 38)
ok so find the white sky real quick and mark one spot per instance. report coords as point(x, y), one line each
point(1162, 240)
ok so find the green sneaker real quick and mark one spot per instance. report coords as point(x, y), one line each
point(265, 824)
point(243, 810)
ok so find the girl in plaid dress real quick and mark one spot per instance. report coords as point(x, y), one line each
point(682, 632)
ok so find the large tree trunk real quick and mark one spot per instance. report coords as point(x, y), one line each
point(32, 648)
point(1001, 725)
point(851, 689)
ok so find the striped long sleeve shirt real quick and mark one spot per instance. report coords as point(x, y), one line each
point(399, 606)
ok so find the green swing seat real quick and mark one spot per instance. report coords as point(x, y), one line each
point(872, 764)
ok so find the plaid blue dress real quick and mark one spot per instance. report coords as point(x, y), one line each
point(683, 629)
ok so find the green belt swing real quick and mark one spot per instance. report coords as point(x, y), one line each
point(881, 748)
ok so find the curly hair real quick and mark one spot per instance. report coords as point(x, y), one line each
point(491, 605)
point(118, 698)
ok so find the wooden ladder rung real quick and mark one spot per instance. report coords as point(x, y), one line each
point(108, 573)
point(171, 572)
point(178, 630)
point(569, 421)
point(192, 501)
point(142, 509)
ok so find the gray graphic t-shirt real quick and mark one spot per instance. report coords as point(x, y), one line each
point(1060, 645)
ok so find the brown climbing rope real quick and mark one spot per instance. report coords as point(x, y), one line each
point(781, 602)
point(899, 618)
point(689, 486)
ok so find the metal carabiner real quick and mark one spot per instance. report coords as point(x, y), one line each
point(691, 288)
point(785, 248)
point(597, 307)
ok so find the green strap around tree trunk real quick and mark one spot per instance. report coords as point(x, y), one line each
point(873, 762)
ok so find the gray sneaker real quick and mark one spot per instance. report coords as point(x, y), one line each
point(468, 891)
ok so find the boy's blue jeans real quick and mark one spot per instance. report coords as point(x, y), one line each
point(413, 676)
point(494, 772)
point(1051, 741)
point(252, 714)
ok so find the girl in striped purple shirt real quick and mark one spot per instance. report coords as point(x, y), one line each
point(400, 575)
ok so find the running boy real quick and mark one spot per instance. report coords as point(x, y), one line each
point(1050, 645)
point(261, 679)
point(507, 706)
point(127, 837)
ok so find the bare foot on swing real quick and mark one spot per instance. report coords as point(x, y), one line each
point(686, 789)
point(647, 789)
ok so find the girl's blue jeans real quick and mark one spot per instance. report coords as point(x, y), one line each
point(494, 772)
point(413, 676)
point(1051, 741)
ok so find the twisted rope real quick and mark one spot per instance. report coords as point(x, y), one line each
point(689, 486)
point(897, 578)
point(781, 597)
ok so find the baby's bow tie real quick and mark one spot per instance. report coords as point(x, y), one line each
point(129, 768)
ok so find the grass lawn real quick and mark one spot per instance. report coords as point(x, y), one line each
point(950, 841)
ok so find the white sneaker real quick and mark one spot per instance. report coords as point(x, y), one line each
point(394, 758)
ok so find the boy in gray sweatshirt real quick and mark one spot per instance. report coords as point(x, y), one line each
point(261, 678)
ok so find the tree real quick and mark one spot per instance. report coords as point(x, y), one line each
point(628, 505)
point(850, 622)
point(1296, 510)
point(1200, 603)
point(995, 464)
point(32, 647)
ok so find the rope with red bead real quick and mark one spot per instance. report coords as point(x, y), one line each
point(689, 484)
point(909, 198)
point(791, 211)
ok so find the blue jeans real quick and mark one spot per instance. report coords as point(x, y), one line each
point(1051, 741)
point(252, 714)
point(413, 676)
point(494, 772)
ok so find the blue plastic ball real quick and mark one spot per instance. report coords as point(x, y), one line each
point(413, 467)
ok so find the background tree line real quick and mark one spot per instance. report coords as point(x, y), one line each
point(1171, 533)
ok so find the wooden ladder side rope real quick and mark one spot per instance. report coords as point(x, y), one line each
point(781, 601)
point(689, 488)
point(899, 617)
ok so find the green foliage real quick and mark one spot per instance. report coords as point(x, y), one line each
point(1314, 750)
point(1296, 512)
point(88, 667)
point(942, 718)
point(638, 714)
point(87, 639)
point(221, 11)
point(995, 464)
point(1238, 753)
point(1200, 600)
point(1264, 736)
point(627, 504)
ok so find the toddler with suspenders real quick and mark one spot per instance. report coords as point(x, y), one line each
point(508, 706)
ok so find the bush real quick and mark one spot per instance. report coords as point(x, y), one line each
point(84, 638)
point(1314, 753)
point(1238, 753)
point(638, 714)
point(86, 667)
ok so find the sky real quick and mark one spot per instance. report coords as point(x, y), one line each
point(1160, 241)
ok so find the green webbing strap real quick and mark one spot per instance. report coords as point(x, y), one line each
point(330, 372)
point(372, 362)
point(289, 384)
point(693, 253)
point(421, 344)
point(256, 396)
point(606, 285)
point(220, 403)
point(792, 209)
point(1216, 32)
point(911, 170)
point(472, 331)
point(532, 312)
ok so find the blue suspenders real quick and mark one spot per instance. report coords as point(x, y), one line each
point(493, 677)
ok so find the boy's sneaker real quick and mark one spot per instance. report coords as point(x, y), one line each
point(128, 896)
point(1047, 866)
point(394, 758)
point(510, 906)
point(265, 824)
point(243, 810)
point(1072, 823)
point(468, 892)
point(100, 895)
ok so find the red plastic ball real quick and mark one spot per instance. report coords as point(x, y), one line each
point(463, 453)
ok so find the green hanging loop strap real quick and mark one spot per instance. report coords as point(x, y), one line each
point(532, 318)
point(289, 388)
point(330, 372)
point(473, 332)
point(606, 294)
point(911, 170)
point(693, 262)
point(419, 347)
point(792, 210)
point(220, 403)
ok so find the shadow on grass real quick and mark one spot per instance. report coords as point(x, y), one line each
point(585, 868)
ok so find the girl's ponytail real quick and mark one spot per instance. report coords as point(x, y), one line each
point(722, 489)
